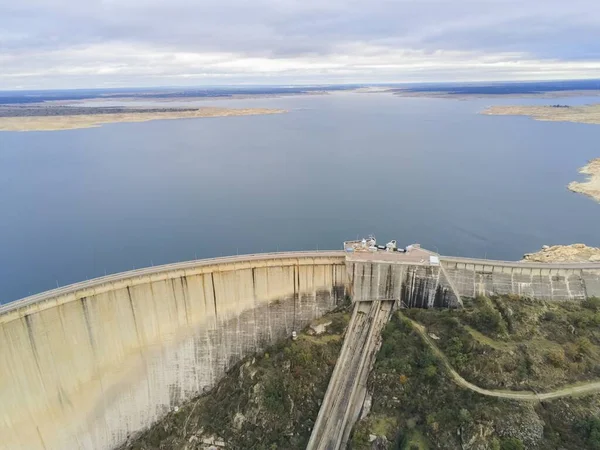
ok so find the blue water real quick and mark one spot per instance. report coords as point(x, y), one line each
point(78, 204)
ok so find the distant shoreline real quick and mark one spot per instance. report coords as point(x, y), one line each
point(557, 113)
point(71, 122)
point(467, 96)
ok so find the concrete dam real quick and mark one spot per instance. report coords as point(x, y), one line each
point(88, 365)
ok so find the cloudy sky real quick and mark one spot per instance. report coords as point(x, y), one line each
point(114, 43)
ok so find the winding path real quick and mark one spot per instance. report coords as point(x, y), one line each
point(570, 390)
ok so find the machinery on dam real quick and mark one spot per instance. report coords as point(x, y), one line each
point(88, 365)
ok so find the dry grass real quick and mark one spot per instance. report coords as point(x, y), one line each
point(54, 123)
point(578, 114)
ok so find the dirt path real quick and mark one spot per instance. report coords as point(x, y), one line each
point(579, 389)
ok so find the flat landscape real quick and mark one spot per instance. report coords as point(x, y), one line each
point(554, 113)
point(68, 121)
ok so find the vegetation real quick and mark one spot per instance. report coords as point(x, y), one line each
point(269, 401)
point(518, 343)
point(501, 342)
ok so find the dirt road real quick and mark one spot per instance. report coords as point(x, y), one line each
point(570, 390)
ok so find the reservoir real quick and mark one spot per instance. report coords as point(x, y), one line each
point(78, 204)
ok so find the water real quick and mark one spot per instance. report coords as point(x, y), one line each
point(78, 204)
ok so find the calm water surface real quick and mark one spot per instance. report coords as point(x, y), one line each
point(78, 204)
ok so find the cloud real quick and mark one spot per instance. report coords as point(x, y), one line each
point(71, 43)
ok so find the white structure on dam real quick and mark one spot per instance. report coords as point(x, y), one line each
point(87, 365)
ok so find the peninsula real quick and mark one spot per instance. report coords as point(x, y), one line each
point(553, 113)
point(51, 119)
point(590, 187)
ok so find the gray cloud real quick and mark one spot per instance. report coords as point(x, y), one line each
point(62, 43)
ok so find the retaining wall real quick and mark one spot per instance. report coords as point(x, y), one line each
point(83, 367)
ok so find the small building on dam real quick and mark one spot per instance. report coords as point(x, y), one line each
point(88, 365)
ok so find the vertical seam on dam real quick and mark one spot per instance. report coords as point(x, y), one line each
point(174, 297)
point(184, 288)
point(295, 298)
point(34, 348)
point(86, 315)
point(585, 292)
point(137, 333)
point(40, 436)
point(212, 278)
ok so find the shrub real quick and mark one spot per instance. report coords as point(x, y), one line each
point(590, 430)
point(556, 357)
point(550, 316)
point(512, 444)
point(584, 346)
point(592, 303)
point(430, 371)
point(487, 320)
point(572, 352)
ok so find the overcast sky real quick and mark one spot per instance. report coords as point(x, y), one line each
point(114, 43)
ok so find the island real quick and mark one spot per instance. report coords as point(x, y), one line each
point(43, 118)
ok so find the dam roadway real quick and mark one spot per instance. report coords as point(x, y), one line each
point(88, 365)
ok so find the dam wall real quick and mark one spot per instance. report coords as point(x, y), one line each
point(422, 285)
point(87, 366)
point(410, 285)
point(552, 282)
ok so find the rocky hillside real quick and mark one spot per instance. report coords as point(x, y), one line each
point(504, 343)
point(564, 253)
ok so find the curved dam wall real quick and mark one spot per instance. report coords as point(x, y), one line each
point(84, 367)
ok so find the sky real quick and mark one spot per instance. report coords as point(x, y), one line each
point(53, 44)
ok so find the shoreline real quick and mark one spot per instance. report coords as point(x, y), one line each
point(589, 114)
point(586, 114)
point(591, 186)
point(72, 122)
point(441, 94)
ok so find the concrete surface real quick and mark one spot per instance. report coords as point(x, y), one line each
point(87, 365)
point(83, 367)
point(554, 282)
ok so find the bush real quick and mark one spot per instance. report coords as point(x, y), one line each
point(550, 316)
point(584, 346)
point(592, 303)
point(556, 357)
point(590, 430)
point(512, 444)
point(487, 320)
